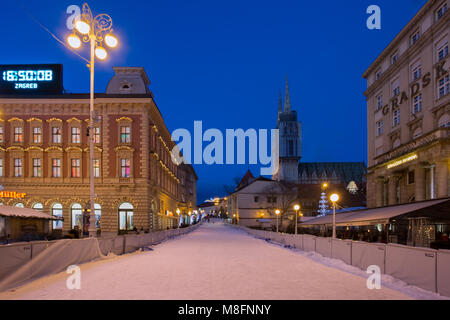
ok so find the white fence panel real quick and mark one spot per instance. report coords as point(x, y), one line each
point(323, 246)
point(342, 250)
point(443, 272)
point(12, 256)
point(106, 245)
point(290, 240)
point(366, 254)
point(309, 242)
point(119, 245)
point(416, 266)
point(298, 241)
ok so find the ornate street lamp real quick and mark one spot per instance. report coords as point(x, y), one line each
point(96, 30)
point(277, 212)
point(296, 208)
point(334, 198)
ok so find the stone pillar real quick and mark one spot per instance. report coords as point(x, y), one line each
point(379, 192)
point(392, 190)
point(419, 183)
point(442, 179)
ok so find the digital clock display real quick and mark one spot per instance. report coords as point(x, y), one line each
point(31, 79)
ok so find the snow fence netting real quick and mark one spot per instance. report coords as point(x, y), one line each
point(309, 242)
point(323, 246)
point(106, 245)
point(38, 246)
point(342, 250)
point(365, 254)
point(443, 272)
point(416, 266)
point(12, 256)
point(54, 259)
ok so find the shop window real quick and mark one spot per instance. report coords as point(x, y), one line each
point(98, 214)
point(126, 216)
point(411, 177)
point(57, 211)
point(77, 215)
point(38, 206)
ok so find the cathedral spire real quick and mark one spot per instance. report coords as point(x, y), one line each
point(287, 101)
point(279, 105)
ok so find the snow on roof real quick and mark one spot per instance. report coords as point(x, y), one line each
point(9, 211)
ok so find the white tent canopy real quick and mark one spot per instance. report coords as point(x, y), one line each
point(18, 212)
point(371, 216)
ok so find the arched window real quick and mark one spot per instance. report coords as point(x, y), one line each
point(38, 206)
point(57, 211)
point(444, 121)
point(77, 215)
point(126, 216)
point(98, 214)
point(19, 204)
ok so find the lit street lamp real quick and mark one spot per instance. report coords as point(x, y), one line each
point(277, 212)
point(95, 30)
point(296, 208)
point(334, 197)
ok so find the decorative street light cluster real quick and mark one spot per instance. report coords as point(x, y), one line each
point(95, 30)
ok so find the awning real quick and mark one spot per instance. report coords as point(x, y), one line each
point(382, 215)
point(19, 212)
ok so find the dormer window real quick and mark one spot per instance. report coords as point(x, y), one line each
point(125, 87)
point(441, 11)
point(394, 58)
point(415, 37)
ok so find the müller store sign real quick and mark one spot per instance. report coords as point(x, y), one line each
point(12, 194)
point(415, 87)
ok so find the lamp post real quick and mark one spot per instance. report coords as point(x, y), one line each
point(334, 197)
point(178, 214)
point(296, 208)
point(277, 212)
point(94, 30)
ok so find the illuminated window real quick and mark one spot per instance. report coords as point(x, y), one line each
point(125, 134)
point(126, 216)
point(56, 135)
point(56, 168)
point(396, 117)
point(2, 134)
point(417, 103)
point(379, 126)
point(75, 168)
point(18, 134)
point(96, 135)
point(98, 214)
point(125, 168)
point(77, 215)
point(442, 51)
point(1, 167)
point(443, 86)
point(37, 135)
point(57, 211)
point(36, 167)
point(17, 167)
point(38, 206)
point(96, 165)
point(76, 135)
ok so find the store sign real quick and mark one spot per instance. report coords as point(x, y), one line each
point(12, 194)
point(31, 79)
point(402, 161)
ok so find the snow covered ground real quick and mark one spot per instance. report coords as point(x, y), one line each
point(218, 262)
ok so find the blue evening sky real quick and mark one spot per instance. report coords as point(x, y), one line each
point(224, 62)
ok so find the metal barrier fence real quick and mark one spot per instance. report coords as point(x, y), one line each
point(26, 261)
point(422, 267)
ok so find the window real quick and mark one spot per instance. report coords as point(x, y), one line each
point(256, 199)
point(19, 205)
point(17, 167)
point(98, 214)
point(125, 134)
point(96, 165)
point(442, 51)
point(416, 71)
point(443, 86)
point(126, 216)
point(18, 134)
point(1, 167)
point(75, 168)
point(76, 135)
point(56, 168)
point(2, 134)
point(56, 135)
point(96, 135)
point(378, 74)
point(417, 103)
point(394, 58)
point(379, 127)
point(395, 87)
point(37, 206)
point(440, 12)
point(36, 167)
point(415, 37)
point(396, 117)
point(417, 133)
point(444, 121)
point(379, 102)
point(57, 211)
point(125, 168)
point(411, 177)
point(77, 215)
point(37, 135)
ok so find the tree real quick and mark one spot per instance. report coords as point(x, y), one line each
point(229, 189)
point(281, 195)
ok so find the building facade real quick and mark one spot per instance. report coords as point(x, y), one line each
point(44, 153)
point(408, 112)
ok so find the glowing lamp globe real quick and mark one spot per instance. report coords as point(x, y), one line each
point(334, 197)
point(82, 27)
point(74, 41)
point(101, 53)
point(111, 41)
point(296, 207)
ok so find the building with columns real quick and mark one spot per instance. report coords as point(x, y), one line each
point(408, 112)
point(44, 154)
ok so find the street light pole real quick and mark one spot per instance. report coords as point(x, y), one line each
point(296, 208)
point(334, 197)
point(277, 212)
point(92, 227)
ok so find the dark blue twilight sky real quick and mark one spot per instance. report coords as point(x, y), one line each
point(223, 62)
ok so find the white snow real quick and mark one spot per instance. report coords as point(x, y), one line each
point(218, 262)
